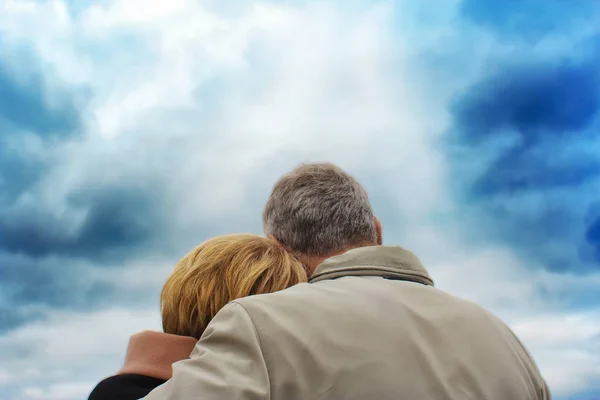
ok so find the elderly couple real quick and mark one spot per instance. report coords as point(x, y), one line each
point(242, 321)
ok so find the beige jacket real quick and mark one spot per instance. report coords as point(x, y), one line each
point(369, 325)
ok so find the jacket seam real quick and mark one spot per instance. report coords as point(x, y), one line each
point(260, 346)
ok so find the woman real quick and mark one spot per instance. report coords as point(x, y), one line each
point(216, 272)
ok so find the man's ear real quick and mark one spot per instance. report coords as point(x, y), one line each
point(379, 231)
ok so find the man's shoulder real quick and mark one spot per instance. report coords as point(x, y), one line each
point(327, 301)
point(297, 293)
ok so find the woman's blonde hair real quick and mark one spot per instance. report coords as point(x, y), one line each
point(220, 270)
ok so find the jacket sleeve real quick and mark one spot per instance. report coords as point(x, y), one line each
point(546, 395)
point(544, 390)
point(227, 363)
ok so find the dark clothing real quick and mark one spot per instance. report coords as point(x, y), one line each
point(147, 365)
point(125, 387)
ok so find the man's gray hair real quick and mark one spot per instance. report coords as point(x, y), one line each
point(318, 209)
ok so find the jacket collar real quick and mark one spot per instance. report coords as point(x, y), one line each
point(386, 261)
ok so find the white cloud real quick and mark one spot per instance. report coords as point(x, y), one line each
point(5, 377)
point(566, 346)
point(330, 91)
point(74, 338)
point(65, 356)
point(560, 329)
point(216, 105)
point(59, 391)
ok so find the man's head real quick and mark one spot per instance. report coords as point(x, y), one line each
point(317, 211)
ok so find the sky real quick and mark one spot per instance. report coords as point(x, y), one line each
point(133, 130)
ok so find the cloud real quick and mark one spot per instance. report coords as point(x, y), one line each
point(540, 102)
point(532, 127)
point(28, 104)
point(105, 192)
point(34, 112)
point(47, 282)
point(531, 19)
point(98, 222)
point(58, 220)
point(47, 209)
point(23, 108)
point(187, 112)
point(56, 365)
point(11, 318)
point(57, 392)
point(551, 338)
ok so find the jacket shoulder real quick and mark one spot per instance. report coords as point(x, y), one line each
point(283, 298)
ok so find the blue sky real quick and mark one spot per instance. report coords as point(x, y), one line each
point(132, 130)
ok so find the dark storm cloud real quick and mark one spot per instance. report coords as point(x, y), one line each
point(531, 19)
point(30, 287)
point(24, 106)
point(547, 108)
point(592, 233)
point(12, 317)
point(56, 283)
point(33, 121)
point(541, 123)
point(539, 102)
point(31, 114)
point(48, 252)
point(116, 219)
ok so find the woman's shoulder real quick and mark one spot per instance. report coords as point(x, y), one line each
point(125, 387)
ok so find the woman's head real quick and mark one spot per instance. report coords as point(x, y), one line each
point(220, 270)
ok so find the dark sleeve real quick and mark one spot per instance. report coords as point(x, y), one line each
point(125, 387)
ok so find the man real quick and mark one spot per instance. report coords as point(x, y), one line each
point(369, 325)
